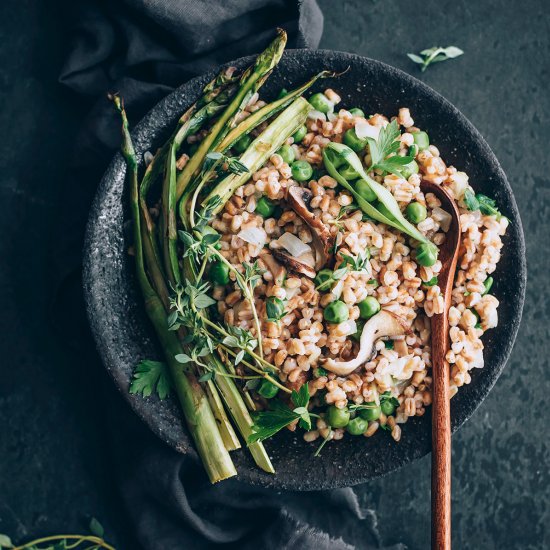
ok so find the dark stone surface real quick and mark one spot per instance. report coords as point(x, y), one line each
point(54, 454)
point(122, 333)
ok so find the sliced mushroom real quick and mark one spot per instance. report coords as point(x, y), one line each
point(298, 199)
point(382, 324)
point(294, 264)
point(276, 269)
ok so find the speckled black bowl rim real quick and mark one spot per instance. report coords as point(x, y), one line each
point(122, 333)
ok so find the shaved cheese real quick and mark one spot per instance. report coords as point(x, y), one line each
point(294, 245)
point(443, 217)
point(253, 235)
point(366, 130)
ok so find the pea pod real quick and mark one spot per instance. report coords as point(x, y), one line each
point(343, 153)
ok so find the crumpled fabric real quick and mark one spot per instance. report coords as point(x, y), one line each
point(144, 49)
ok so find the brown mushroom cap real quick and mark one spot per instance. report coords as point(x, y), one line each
point(276, 269)
point(385, 323)
point(298, 199)
point(293, 263)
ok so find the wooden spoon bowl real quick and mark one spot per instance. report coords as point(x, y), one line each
point(441, 407)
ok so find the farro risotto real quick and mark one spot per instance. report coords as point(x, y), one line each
point(288, 261)
point(300, 336)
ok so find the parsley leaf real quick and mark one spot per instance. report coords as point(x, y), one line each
point(434, 55)
point(488, 206)
point(470, 200)
point(388, 397)
point(279, 416)
point(150, 376)
point(386, 143)
point(433, 281)
point(395, 164)
point(481, 202)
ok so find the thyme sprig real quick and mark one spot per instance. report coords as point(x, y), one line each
point(205, 336)
point(348, 265)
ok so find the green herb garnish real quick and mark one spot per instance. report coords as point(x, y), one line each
point(387, 397)
point(64, 542)
point(151, 376)
point(434, 55)
point(432, 282)
point(279, 416)
point(481, 202)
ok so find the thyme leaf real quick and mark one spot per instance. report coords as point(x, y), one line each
point(434, 55)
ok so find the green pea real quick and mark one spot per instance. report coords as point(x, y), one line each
point(336, 312)
point(299, 134)
point(357, 426)
point(487, 284)
point(337, 418)
point(209, 230)
point(321, 103)
point(348, 173)
point(323, 276)
point(356, 336)
point(387, 407)
point(353, 142)
point(409, 169)
point(422, 140)
point(241, 145)
point(264, 207)
point(268, 389)
point(372, 413)
point(282, 93)
point(413, 150)
point(426, 254)
point(301, 170)
point(274, 307)
point(364, 189)
point(357, 112)
point(416, 212)
point(219, 273)
point(368, 307)
point(287, 153)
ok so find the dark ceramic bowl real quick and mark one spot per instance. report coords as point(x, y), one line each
point(124, 337)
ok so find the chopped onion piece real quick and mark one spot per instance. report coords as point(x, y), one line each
point(253, 235)
point(443, 217)
point(337, 289)
point(291, 292)
point(366, 130)
point(316, 115)
point(397, 368)
point(293, 244)
point(348, 327)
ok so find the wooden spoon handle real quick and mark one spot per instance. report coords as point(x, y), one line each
point(441, 436)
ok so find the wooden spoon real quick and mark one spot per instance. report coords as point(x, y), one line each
point(441, 409)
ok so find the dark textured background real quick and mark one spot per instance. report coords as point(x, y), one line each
point(54, 449)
